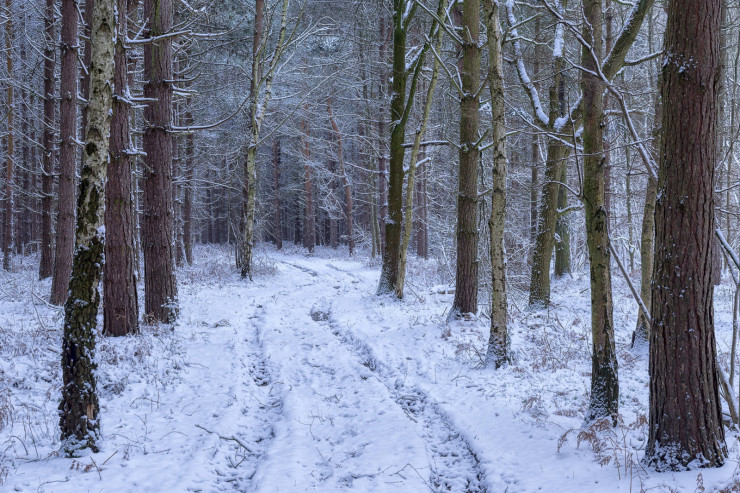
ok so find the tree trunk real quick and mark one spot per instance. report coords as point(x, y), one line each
point(562, 228)
point(9, 140)
point(67, 154)
point(278, 226)
point(604, 401)
point(309, 233)
point(79, 407)
point(120, 301)
point(348, 206)
point(46, 267)
point(466, 278)
point(187, 207)
point(160, 286)
point(415, 151)
point(686, 427)
point(647, 249)
point(498, 342)
point(392, 223)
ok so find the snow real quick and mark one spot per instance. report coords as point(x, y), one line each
point(304, 380)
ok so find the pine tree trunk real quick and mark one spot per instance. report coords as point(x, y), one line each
point(160, 286)
point(466, 277)
point(79, 406)
point(67, 154)
point(278, 226)
point(498, 342)
point(348, 205)
point(309, 233)
point(685, 409)
point(46, 267)
point(120, 301)
point(604, 401)
point(187, 207)
point(9, 142)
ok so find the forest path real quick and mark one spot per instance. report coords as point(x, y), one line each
point(341, 426)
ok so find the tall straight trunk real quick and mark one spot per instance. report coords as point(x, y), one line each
point(604, 402)
point(22, 206)
point(685, 426)
point(79, 407)
point(535, 145)
point(67, 153)
point(333, 205)
point(562, 229)
point(647, 251)
point(46, 267)
point(466, 277)
point(392, 224)
point(547, 217)
point(160, 286)
point(348, 205)
point(187, 206)
point(278, 226)
point(309, 233)
point(249, 189)
point(498, 342)
point(9, 141)
point(382, 208)
point(647, 235)
point(120, 301)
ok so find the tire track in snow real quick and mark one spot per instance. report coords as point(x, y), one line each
point(454, 465)
point(245, 427)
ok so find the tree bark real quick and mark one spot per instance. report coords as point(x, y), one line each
point(67, 154)
point(498, 343)
point(278, 226)
point(686, 427)
point(392, 223)
point(120, 301)
point(79, 406)
point(562, 229)
point(160, 286)
point(604, 402)
point(187, 207)
point(309, 233)
point(9, 142)
point(466, 277)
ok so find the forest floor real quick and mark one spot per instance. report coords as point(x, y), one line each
point(304, 380)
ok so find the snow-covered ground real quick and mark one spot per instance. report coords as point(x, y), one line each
point(304, 380)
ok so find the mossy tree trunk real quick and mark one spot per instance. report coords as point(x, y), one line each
point(604, 402)
point(79, 407)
